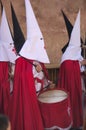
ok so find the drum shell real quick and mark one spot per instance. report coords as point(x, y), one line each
point(56, 114)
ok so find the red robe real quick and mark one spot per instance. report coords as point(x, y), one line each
point(70, 80)
point(4, 88)
point(24, 110)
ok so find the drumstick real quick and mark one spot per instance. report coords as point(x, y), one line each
point(42, 89)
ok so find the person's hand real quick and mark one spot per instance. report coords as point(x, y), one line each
point(51, 84)
point(83, 62)
point(38, 68)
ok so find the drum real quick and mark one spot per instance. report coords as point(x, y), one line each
point(55, 109)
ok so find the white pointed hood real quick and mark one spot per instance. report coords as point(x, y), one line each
point(6, 37)
point(34, 47)
point(73, 51)
point(3, 54)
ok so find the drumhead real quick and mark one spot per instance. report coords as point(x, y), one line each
point(52, 96)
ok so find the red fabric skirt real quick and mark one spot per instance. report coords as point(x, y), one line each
point(24, 111)
point(70, 80)
point(4, 88)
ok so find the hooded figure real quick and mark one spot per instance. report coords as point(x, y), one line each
point(69, 30)
point(24, 110)
point(34, 48)
point(7, 55)
point(69, 74)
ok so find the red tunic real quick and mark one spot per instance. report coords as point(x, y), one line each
point(70, 80)
point(24, 110)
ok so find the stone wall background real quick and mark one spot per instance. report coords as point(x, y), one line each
point(51, 22)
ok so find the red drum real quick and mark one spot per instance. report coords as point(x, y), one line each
point(55, 109)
